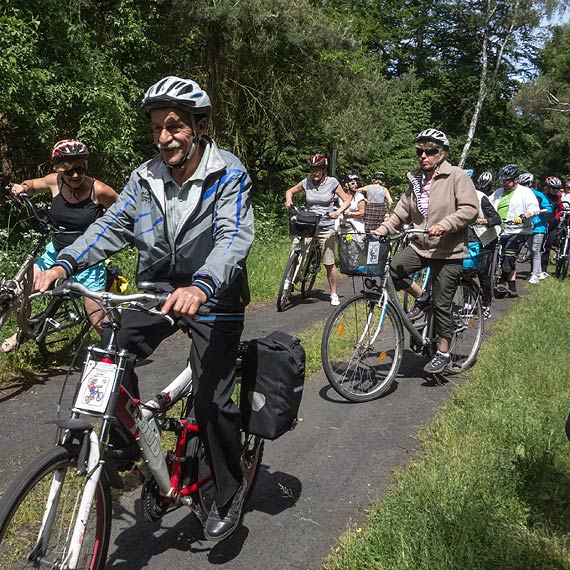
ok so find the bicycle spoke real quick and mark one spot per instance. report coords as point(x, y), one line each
point(361, 348)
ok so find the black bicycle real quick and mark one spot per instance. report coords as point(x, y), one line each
point(57, 325)
point(562, 255)
point(304, 260)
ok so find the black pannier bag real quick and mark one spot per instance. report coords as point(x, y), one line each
point(272, 380)
point(304, 223)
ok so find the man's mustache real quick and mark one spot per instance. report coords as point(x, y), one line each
point(173, 144)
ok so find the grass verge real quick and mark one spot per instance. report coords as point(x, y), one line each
point(490, 488)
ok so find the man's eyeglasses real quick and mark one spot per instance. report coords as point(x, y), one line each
point(79, 169)
point(427, 151)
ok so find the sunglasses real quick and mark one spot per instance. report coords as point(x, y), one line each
point(79, 169)
point(427, 151)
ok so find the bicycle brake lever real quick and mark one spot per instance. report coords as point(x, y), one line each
point(168, 318)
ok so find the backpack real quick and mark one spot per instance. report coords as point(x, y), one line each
point(471, 262)
point(272, 380)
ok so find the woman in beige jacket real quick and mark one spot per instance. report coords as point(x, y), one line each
point(442, 200)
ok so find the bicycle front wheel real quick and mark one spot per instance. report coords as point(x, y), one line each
point(361, 348)
point(286, 287)
point(311, 272)
point(66, 326)
point(50, 489)
point(468, 321)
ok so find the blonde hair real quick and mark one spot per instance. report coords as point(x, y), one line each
point(63, 165)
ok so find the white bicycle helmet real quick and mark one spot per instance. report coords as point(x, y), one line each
point(553, 182)
point(485, 179)
point(434, 136)
point(526, 179)
point(176, 92)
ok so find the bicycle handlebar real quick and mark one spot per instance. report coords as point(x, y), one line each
point(42, 216)
point(404, 233)
point(67, 287)
point(293, 211)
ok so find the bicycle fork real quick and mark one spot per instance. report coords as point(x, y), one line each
point(80, 519)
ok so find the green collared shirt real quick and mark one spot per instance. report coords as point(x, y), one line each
point(180, 199)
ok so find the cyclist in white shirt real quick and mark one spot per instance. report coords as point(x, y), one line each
point(516, 206)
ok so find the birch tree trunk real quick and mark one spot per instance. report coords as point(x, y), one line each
point(485, 82)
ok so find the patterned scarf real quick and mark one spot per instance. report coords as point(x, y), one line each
point(417, 187)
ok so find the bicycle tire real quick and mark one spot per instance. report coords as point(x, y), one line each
point(23, 505)
point(66, 326)
point(564, 268)
point(203, 498)
point(6, 309)
point(558, 267)
point(358, 366)
point(468, 334)
point(286, 287)
point(311, 272)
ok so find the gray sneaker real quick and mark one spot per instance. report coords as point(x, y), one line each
point(438, 363)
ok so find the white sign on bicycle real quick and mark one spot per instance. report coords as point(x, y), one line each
point(373, 253)
point(96, 386)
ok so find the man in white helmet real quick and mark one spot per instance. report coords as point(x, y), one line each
point(188, 212)
point(442, 200)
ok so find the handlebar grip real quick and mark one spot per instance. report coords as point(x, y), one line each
point(203, 311)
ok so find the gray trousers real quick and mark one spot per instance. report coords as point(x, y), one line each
point(445, 277)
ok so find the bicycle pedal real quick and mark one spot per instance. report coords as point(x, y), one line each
point(53, 323)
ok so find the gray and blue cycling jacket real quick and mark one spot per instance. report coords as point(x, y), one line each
point(212, 240)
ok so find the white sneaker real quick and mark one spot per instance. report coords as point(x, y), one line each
point(534, 279)
point(334, 300)
point(543, 275)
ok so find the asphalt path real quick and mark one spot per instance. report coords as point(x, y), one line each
point(314, 483)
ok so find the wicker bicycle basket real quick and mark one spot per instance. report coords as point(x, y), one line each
point(362, 254)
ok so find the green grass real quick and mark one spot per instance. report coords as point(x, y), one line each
point(265, 266)
point(490, 488)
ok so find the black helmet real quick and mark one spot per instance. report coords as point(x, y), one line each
point(508, 172)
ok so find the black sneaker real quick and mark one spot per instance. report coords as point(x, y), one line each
point(438, 363)
point(222, 521)
point(486, 312)
point(422, 303)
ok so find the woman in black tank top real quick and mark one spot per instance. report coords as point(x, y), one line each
point(77, 201)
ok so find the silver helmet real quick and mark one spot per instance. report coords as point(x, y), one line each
point(176, 92)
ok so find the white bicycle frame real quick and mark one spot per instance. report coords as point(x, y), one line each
point(149, 441)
